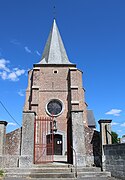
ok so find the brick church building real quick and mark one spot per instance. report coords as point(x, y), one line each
point(57, 126)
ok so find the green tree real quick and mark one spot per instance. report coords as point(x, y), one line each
point(115, 138)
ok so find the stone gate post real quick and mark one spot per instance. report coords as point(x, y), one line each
point(2, 142)
point(105, 125)
point(78, 138)
point(27, 147)
point(2, 137)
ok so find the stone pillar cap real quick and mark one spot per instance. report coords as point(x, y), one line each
point(104, 121)
point(4, 122)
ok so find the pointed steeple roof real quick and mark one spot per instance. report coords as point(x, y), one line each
point(54, 51)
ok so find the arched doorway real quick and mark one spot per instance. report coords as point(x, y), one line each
point(57, 144)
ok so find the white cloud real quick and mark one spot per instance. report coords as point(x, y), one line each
point(21, 92)
point(114, 112)
point(27, 49)
point(3, 66)
point(119, 130)
point(14, 41)
point(12, 76)
point(3, 75)
point(123, 124)
point(37, 52)
point(19, 72)
point(114, 123)
point(7, 73)
point(12, 124)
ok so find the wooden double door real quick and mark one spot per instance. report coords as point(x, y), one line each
point(57, 144)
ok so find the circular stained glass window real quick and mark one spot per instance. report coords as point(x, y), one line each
point(54, 107)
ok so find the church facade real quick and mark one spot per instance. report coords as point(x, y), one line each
point(57, 126)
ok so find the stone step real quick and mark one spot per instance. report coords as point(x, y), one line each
point(88, 169)
point(90, 178)
point(71, 175)
point(84, 175)
point(93, 174)
point(56, 171)
point(52, 175)
point(51, 169)
point(65, 169)
point(17, 175)
point(41, 175)
point(53, 179)
point(17, 171)
point(39, 170)
point(69, 166)
point(54, 165)
point(15, 178)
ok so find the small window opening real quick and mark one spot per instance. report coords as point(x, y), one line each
point(55, 71)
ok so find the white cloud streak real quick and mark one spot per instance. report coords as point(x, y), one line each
point(123, 124)
point(12, 124)
point(3, 64)
point(27, 49)
point(37, 52)
point(15, 42)
point(119, 130)
point(114, 123)
point(7, 73)
point(21, 92)
point(114, 112)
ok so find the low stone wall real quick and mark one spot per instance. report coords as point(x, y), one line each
point(9, 161)
point(12, 150)
point(115, 159)
point(13, 142)
point(92, 143)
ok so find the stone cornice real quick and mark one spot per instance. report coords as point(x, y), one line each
point(76, 111)
point(4, 122)
point(29, 112)
point(54, 65)
point(74, 102)
point(104, 121)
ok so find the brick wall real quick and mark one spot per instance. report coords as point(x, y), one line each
point(13, 142)
point(115, 159)
point(44, 84)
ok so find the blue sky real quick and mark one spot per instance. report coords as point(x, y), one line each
point(94, 36)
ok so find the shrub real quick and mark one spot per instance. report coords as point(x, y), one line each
point(1, 172)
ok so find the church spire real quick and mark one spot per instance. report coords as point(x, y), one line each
point(54, 51)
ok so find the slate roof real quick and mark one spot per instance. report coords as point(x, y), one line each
point(54, 51)
point(91, 118)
